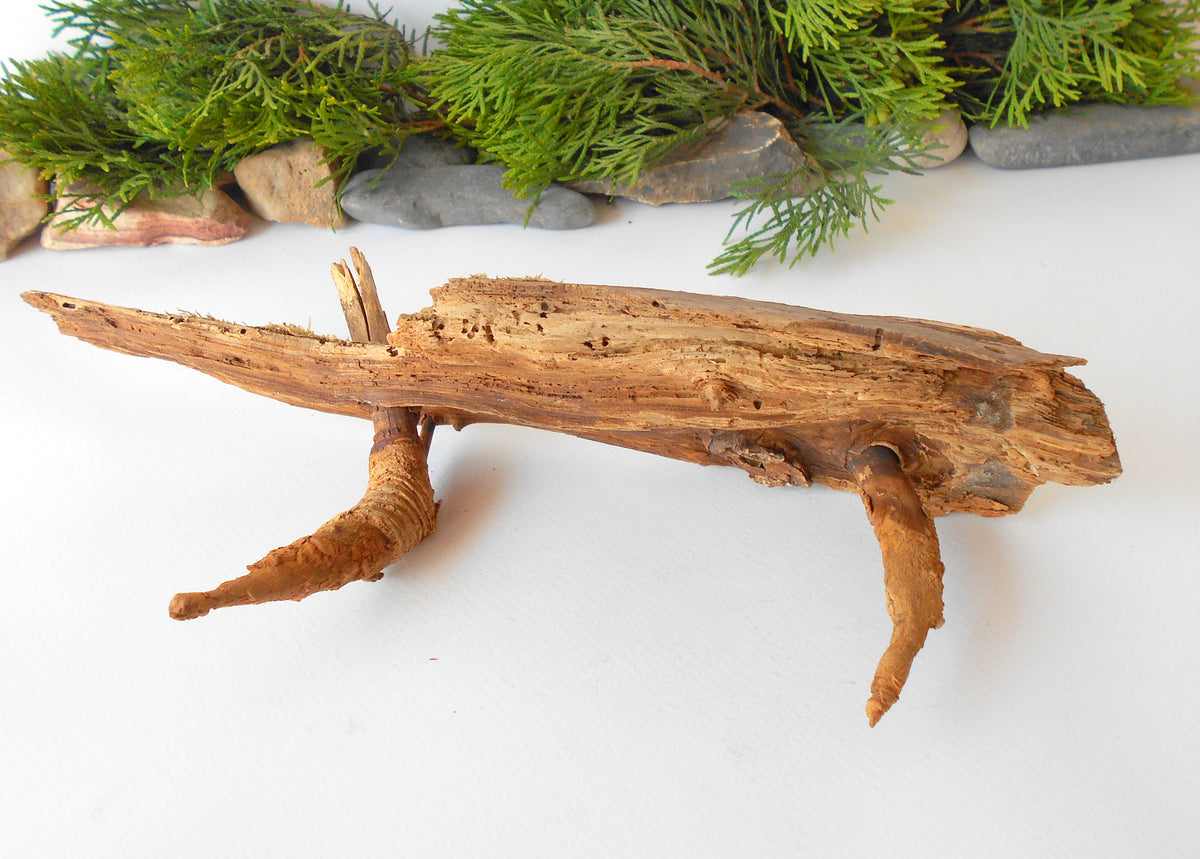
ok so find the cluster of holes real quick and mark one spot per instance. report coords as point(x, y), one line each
point(471, 329)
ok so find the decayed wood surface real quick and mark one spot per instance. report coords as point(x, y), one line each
point(920, 418)
point(786, 393)
point(396, 512)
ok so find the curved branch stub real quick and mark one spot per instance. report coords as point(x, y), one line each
point(912, 568)
point(396, 512)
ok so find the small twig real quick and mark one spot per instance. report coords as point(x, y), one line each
point(677, 66)
point(425, 430)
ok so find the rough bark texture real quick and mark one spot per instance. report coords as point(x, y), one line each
point(977, 419)
point(921, 418)
point(912, 568)
point(395, 513)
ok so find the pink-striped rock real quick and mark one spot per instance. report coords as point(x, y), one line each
point(209, 219)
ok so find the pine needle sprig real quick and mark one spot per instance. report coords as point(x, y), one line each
point(1016, 57)
point(163, 97)
point(843, 160)
point(564, 91)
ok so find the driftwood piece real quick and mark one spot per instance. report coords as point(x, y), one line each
point(395, 513)
point(920, 418)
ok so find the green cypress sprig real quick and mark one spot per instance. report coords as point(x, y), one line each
point(844, 160)
point(164, 96)
point(1016, 57)
point(888, 64)
point(565, 90)
point(61, 115)
point(819, 24)
point(577, 90)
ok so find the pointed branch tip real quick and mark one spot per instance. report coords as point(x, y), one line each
point(912, 568)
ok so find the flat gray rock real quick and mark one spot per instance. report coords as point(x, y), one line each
point(420, 198)
point(417, 150)
point(1091, 134)
point(751, 145)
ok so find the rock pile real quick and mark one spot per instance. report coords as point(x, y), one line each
point(430, 182)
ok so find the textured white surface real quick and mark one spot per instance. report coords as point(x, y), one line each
point(601, 653)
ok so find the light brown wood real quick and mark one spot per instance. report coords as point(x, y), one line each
point(396, 512)
point(785, 393)
point(912, 569)
point(920, 418)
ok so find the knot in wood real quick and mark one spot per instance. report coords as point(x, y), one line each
point(718, 392)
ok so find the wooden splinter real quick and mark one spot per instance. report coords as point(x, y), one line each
point(920, 418)
point(396, 512)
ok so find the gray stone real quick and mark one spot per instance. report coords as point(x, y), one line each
point(209, 219)
point(21, 205)
point(282, 184)
point(452, 196)
point(751, 145)
point(1092, 133)
point(418, 150)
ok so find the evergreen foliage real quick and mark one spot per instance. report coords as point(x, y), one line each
point(1016, 57)
point(564, 90)
point(161, 95)
point(601, 89)
point(61, 115)
point(842, 161)
point(573, 90)
point(165, 95)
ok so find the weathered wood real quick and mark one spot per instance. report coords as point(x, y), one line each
point(977, 419)
point(920, 418)
point(396, 512)
point(912, 568)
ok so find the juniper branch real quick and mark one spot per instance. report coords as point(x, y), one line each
point(166, 95)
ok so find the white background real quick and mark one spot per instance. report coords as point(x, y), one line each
point(600, 653)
